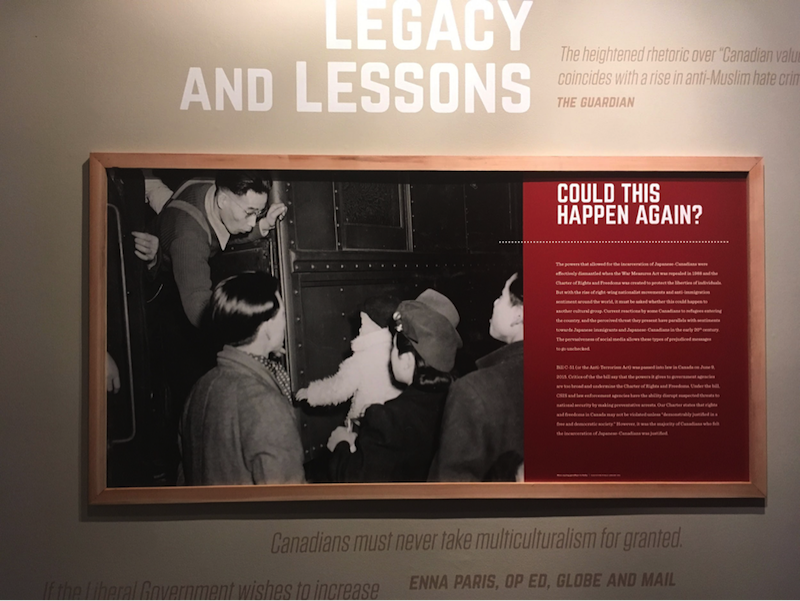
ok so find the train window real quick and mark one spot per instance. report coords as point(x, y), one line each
point(312, 206)
point(491, 208)
point(372, 215)
point(439, 216)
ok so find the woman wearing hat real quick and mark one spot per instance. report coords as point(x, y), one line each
point(396, 441)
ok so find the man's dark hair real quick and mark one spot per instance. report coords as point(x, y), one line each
point(380, 309)
point(240, 304)
point(241, 182)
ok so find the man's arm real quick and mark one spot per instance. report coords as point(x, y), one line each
point(145, 247)
point(277, 210)
point(334, 389)
point(190, 253)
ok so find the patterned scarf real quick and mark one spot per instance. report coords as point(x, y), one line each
point(278, 372)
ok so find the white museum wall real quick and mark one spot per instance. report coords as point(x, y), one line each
point(108, 75)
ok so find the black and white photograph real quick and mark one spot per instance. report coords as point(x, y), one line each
point(312, 326)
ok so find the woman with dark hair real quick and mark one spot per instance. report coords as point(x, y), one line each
point(239, 426)
point(396, 441)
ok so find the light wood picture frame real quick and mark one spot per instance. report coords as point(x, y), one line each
point(490, 171)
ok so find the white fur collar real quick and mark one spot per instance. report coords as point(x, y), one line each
point(363, 341)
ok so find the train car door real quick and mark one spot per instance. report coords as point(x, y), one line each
point(354, 235)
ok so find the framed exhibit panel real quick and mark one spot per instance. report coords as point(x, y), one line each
point(642, 279)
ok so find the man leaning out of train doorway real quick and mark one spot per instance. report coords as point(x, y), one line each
point(194, 226)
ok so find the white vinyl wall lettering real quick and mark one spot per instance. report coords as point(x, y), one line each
point(401, 83)
point(259, 89)
point(400, 26)
point(195, 90)
point(381, 104)
point(229, 91)
point(523, 71)
point(337, 87)
point(352, 80)
point(366, 24)
point(407, 20)
point(443, 88)
point(303, 105)
point(482, 87)
point(470, 16)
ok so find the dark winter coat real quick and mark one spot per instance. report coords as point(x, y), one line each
point(238, 428)
point(396, 441)
point(483, 418)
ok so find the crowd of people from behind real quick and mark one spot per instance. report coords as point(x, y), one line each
point(237, 419)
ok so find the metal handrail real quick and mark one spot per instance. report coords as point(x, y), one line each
point(118, 223)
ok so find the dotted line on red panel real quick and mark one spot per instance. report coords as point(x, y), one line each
point(613, 241)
